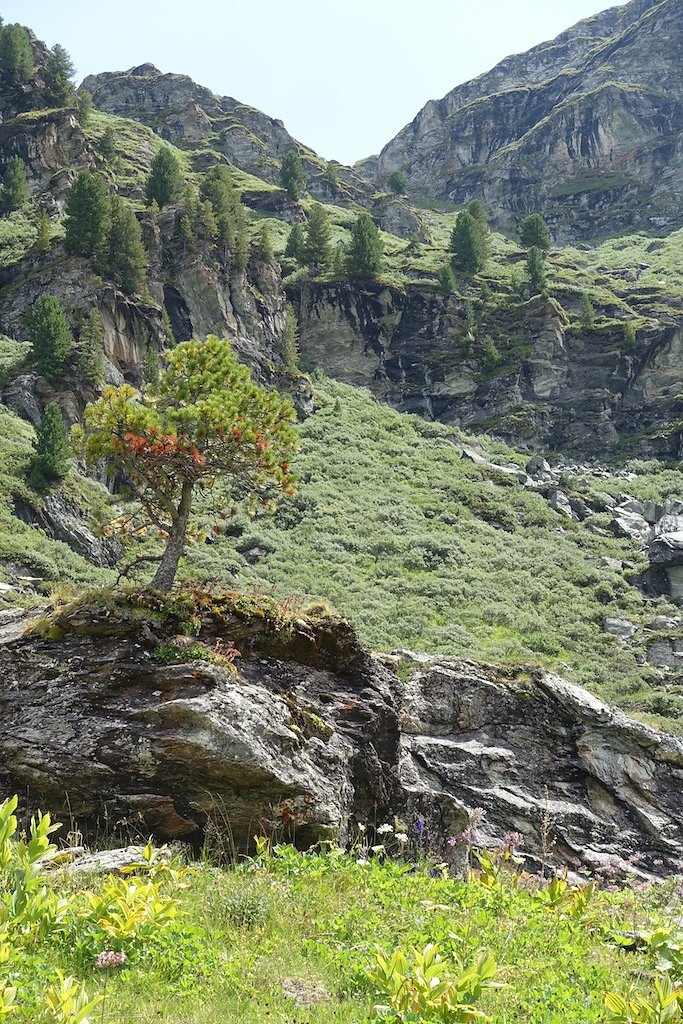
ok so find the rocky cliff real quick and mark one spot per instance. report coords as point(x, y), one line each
point(586, 128)
point(109, 713)
point(555, 387)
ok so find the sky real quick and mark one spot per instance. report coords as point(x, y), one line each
point(344, 76)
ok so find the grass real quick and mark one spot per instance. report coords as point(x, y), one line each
point(423, 549)
point(241, 941)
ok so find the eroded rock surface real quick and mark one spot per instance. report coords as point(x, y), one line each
point(110, 717)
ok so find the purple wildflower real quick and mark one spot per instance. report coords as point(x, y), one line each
point(110, 958)
point(420, 826)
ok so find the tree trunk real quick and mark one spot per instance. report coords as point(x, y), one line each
point(168, 567)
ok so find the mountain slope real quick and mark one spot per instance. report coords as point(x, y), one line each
point(587, 128)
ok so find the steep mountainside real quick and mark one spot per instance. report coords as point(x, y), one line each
point(587, 128)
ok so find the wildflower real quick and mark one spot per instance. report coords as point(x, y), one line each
point(362, 828)
point(511, 840)
point(452, 841)
point(401, 838)
point(420, 826)
point(636, 858)
point(657, 863)
point(476, 814)
point(110, 958)
point(384, 829)
point(377, 849)
point(362, 861)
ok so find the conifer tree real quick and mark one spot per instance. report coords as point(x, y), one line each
point(475, 208)
point(535, 267)
point(165, 180)
point(446, 278)
point(52, 450)
point(366, 251)
point(127, 259)
point(339, 260)
point(587, 313)
point(630, 335)
point(58, 72)
point(43, 237)
point(14, 191)
point(84, 108)
point(295, 248)
point(318, 237)
point(151, 369)
point(16, 54)
point(50, 336)
point(467, 243)
point(292, 174)
point(91, 349)
point(218, 188)
point(534, 233)
point(187, 233)
point(331, 176)
point(397, 182)
point(290, 340)
point(264, 247)
point(208, 219)
point(107, 144)
point(88, 212)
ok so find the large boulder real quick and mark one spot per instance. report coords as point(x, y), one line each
point(108, 712)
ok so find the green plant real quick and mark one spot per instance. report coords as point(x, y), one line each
point(666, 1006)
point(424, 987)
point(67, 1001)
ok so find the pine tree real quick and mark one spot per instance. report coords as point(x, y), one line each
point(366, 251)
point(127, 259)
point(535, 268)
point(187, 233)
point(218, 188)
point(318, 237)
point(58, 72)
point(50, 462)
point(50, 336)
point(43, 238)
point(630, 335)
point(107, 144)
point(490, 356)
point(16, 54)
point(295, 248)
point(331, 176)
point(290, 340)
point(91, 349)
point(587, 313)
point(292, 174)
point(339, 260)
point(84, 108)
point(534, 233)
point(476, 209)
point(14, 191)
point(88, 213)
point(151, 369)
point(165, 181)
point(264, 246)
point(446, 277)
point(208, 219)
point(397, 182)
point(467, 243)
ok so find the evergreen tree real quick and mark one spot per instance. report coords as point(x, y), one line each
point(58, 72)
point(318, 238)
point(50, 336)
point(187, 233)
point(14, 191)
point(84, 108)
point(331, 176)
point(339, 260)
point(264, 246)
point(490, 356)
point(50, 462)
point(534, 233)
point(290, 340)
point(630, 335)
point(208, 219)
point(107, 144)
point(485, 292)
point(292, 174)
point(91, 349)
point(467, 243)
point(151, 370)
point(165, 180)
point(233, 237)
point(43, 238)
point(127, 259)
point(88, 212)
point(587, 313)
point(475, 208)
point(366, 251)
point(16, 54)
point(295, 248)
point(446, 277)
point(535, 268)
point(397, 182)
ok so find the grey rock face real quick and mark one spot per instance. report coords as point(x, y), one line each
point(62, 520)
point(579, 128)
point(619, 627)
point(566, 393)
point(312, 731)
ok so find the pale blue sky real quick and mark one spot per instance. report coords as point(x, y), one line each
point(343, 76)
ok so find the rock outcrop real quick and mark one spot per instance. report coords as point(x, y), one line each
point(554, 388)
point(580, 128)
point(109, 713)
